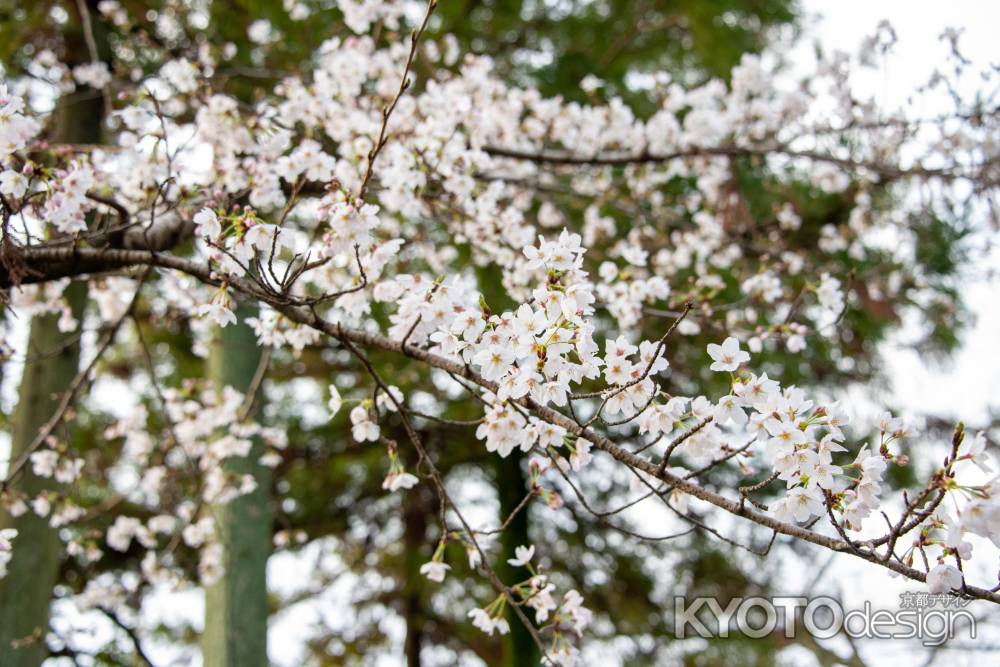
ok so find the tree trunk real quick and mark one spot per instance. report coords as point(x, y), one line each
point(520, 646)
point(416, 510)
point(236, 607)
point(26, 591)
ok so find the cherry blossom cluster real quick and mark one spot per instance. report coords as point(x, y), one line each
point(536, 594)
point(558, 617)
point(16, 130)
point(200, 435)
point(973, 488)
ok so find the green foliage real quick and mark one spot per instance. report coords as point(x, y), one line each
point(556, 44)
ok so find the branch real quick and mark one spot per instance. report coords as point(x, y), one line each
point(889, 171)
point(404, 83)
point(307, 316)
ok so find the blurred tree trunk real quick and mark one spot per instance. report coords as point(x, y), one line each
point(416, 510)
point(236, 607)
point(520, 646)
point(26, 591)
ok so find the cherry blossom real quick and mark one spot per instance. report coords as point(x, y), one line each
point(524, 555)
point(728, 356)
point(943, 578)
point(435, 570)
